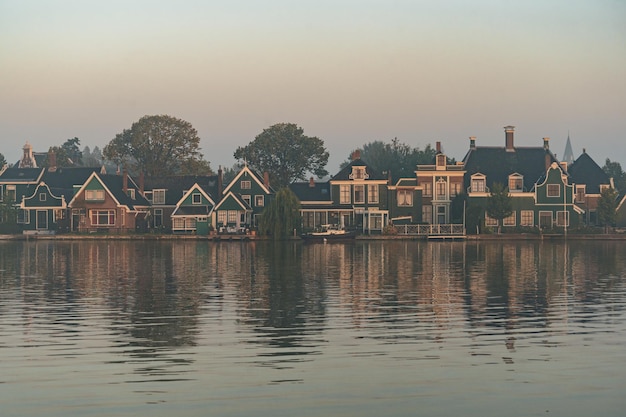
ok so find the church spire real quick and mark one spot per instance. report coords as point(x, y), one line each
point(568, 155)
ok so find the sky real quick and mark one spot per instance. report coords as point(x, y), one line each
point(347, 71)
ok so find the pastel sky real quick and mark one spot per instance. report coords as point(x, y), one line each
point(347, 71)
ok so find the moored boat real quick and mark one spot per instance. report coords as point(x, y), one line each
point(329, 232)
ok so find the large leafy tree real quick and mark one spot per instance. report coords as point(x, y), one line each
point(396, 157)
point(499, 204)
point(68, 154)
point(282, 216)
point(607, 206)
point(285, 153)
point(614, 170)
point(3, 161)
point(158, 146)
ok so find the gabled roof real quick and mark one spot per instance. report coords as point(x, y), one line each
point(21, 175)
point(254, 175)
point(63, 181)
point(344, 174)
point(496, 163)
point(584, 170)
point(113, 184)
point(175, 186)
point(311, 191)
point(233, 200)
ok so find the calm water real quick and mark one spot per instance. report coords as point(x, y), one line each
point(360, 329)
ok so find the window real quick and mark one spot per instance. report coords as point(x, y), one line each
point(441, 160)
point(527, 218)
point(221, 217)
point(490, 221)
point(478, 185)
point(516, 183)
point(178, 223)
point(158, 196)
point(102, 217)
point(358, 173)
point(158, 217)
point(428, 189)
point(232, 216)
point(259, 200)
point(344, 194)
point(131, 193)
point(196, 198)
point(246, 185)
point(427, 214)
point(510, 220)
point(94, 195)
point(545, 219)
point(554, 190)
point(455, 188)
point(23, 216)
point(562, 218)
point(580, 193)
point(42, 197)
point(372, 193)
point(10, 192)
point(247, 199)
point(359, 194)
point(1, 192)
point(441, 189)
point(603, 187)
point(405, 198)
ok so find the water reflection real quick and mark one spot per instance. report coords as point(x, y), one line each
point(152, 313)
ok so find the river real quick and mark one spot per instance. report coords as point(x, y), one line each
point(380, 328)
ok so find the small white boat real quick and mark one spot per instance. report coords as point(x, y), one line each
point(329, 232)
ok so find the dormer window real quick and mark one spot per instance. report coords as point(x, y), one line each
point(158, 196)
point(516, 183)
point(196, 198)
point(131, 193)
point(478, 183)
point(441, 160)
point(359, 173)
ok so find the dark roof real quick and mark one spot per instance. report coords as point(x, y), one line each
point(320, 191)
point(191, 211)
point(584, 170)
point(115, 184)
point(497, 164)
point(175, 186)
point(20, 175)
point(344, 174)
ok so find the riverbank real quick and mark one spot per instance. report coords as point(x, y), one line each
point(245, 238)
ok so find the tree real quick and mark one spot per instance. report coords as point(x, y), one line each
point(499, 204)
point(158, 146)
point(614, 170)
point(282, 216)
point(395, 157)
point(285, 153)
point(3, 161)
point(68, 154)
point(607, 206)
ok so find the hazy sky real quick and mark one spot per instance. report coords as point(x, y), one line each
point(348, 72)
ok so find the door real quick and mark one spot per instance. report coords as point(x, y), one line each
point(42, 219)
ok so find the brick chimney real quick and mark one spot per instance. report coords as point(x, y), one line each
point(125, 181)
point(220, 183)
point(52, 160)
point(142, 182)
point(472, 142)
point(509, 132)
point(546, 143)
point(311, 182)
point(266, 179)
point(438, 146)
point(356, 155)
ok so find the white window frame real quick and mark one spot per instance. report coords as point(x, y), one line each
point(510, 220)
point(404, 197)
point(516, 183)
point(43, 197)
point(478, 184)
point(94, 195)
point(359, 193)
point(581, 191)
point(372, 193)
point(345, 194)
point(550, 190)
point(525, 215)
point(195, 196)
point(427, 213)
point(490, 221)
point(96, 215)
point(259, 201)
point(158, 196)
point(559, 218)
point(246, 184)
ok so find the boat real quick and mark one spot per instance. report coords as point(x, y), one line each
point(329, 232)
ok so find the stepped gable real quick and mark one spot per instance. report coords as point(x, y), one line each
point(586, 171)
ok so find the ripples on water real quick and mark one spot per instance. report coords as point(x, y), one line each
point(361, 329)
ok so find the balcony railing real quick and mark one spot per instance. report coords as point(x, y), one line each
point(431, 229)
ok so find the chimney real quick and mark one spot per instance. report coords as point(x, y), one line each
point(125, 181)
point(472, 142)
point(52, 160)
point(438, 146)
point(220, 182)
point(548, 161)
point(546, 143)
point(356, 155)
point(509, 131)
point(266, 179)
point(142, 182)
point(311, 182)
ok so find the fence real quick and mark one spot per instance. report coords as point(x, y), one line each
point(431, 229)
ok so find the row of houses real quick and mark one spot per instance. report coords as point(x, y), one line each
point(546, 193)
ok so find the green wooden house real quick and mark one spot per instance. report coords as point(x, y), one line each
point(192, 214)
